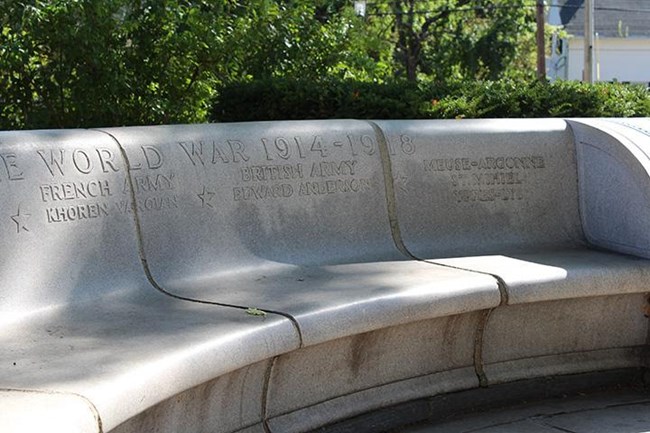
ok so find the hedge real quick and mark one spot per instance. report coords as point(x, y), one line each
point(278, 99)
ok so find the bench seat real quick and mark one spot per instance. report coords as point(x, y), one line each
point(128, 353)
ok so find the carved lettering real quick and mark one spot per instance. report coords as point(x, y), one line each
point(488, 163)
point(55, 160)
point(261, 173)
point(334, 186)
point(148, 204)
point(490, 194)
point(82, 161)
point(331, 168)
point(75, 190)
point(76, 212)
point(149, 183)
point(152, 156)
point(9, 161)
point(219, 156)
point(195, 152)
point(237, 149)
point(285, 148)
point(157, 203)
point(106, 160)
point(487, 179)
point(262, 191)
point(405, 145)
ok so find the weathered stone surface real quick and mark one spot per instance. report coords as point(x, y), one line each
point(128, 354)
point(285, 216)
point(321, 384)
point(223, 405)
point(64, 236)
point(614, 167)
point(31, 411)
point(565, 337)
point(561, 274)
point(297, 219)
point(472, 187)
point(77, 312)
point(219, 198)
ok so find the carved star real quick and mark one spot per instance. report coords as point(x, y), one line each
point(20, 219)
point(206, 197)
point(401, 182)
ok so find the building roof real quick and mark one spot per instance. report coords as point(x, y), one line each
point(613, 18)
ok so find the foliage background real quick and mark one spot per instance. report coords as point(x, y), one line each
point(88, 63)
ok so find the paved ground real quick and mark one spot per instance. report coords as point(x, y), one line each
point(612, 412)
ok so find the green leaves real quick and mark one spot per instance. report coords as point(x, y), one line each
point(280, 98)
point(74, 63)
point(92, 63)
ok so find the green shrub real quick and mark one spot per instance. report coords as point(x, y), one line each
point(275, 99)
point(281, 98)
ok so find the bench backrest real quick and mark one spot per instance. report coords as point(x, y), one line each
point(614, 181)
point(484, 186)
point(229, 197)
point(66, 236)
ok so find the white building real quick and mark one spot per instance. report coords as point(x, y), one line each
point(621, 45)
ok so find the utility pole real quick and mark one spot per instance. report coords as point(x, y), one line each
point(541, 46)
point(588, 71)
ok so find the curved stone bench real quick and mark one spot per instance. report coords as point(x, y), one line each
point(284, 276)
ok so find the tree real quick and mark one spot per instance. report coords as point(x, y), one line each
point(304, 39)
point(70, 63)
point(454, 38)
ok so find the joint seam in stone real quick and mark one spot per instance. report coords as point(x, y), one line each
point(391, 202)
point(479, 365)
point(265, 395)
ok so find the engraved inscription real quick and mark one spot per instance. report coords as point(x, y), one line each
point(401, 182)
point(334, 186)
point(486, 179)
point(262, 173)
point(206, 197)
point(156, 203)
point(313, 179)
point(332, 168)
point(279, 167)
point(201, 153)
point(404, 144)
point(75, 190)
point(12, 170)
point(152, 183)
point(20, 219)
point(152, 157)
point(64, 214)
point(58, 161)
point(488, 163)
point(261, 191)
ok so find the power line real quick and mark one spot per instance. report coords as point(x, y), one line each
point(492, 7)
point(602, 8)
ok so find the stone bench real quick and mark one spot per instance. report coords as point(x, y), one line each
point(285, 276)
